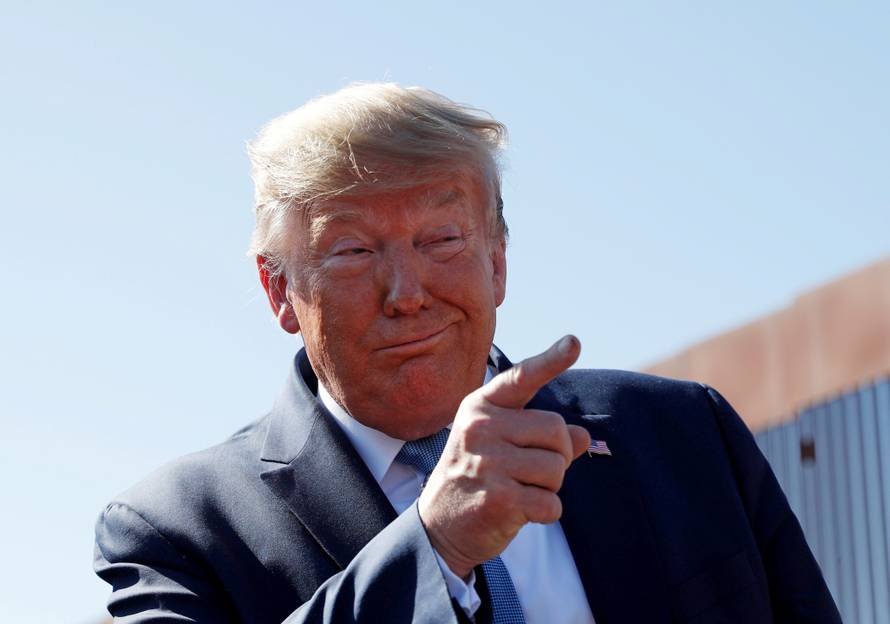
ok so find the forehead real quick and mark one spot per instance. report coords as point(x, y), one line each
point(404, 204)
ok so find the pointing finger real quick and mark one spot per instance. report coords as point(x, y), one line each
point(580, 440)
point(515, 387)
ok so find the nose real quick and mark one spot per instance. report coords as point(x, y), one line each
point(403, 278)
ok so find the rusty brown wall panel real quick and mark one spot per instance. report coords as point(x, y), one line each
point(828, 341)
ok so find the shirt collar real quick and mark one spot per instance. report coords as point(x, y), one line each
point(376, 449)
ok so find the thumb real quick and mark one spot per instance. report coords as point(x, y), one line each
point(515, 387)
point(580, 440)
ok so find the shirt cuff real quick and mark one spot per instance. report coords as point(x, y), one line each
point(463, 591)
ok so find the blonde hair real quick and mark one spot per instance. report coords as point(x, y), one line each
point(366, 139)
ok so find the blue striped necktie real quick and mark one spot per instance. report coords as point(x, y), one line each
point(423, 454)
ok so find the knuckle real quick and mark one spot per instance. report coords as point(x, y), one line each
point(557, 432)
point(485, 463)
point(476, 426)
point(519, 375)
point(470, 403)
point(497, 502)
point(555, 422)
point(552, 475)
point(548, 508)
point(554, 509)
point(461, 468)
point(556, 465)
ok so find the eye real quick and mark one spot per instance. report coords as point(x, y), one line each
point(349, 249)
point(445, 238)
point(445, 245)
point(352, 251)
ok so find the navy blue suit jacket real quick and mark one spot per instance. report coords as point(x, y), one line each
point(685, 522)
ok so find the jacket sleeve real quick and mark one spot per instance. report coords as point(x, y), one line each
point(151, 580)
point(798, 592)
point(394, 578)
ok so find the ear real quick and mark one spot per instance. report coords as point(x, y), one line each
point(499, 269)
point(276, 289)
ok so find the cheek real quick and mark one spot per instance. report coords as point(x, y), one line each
point(469, 282)
point(343, 315)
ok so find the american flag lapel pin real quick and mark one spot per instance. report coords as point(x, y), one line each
point(598, 447)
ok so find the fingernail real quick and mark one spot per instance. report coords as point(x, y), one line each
point(566, 345)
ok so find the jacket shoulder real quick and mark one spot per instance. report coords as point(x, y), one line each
point(197, 485)
point(607, 391)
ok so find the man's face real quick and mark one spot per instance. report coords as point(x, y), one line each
point(395, 296)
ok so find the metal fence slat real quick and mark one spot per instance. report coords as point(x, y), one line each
point(861, 589)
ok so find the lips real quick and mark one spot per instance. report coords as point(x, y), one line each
point(418, 339)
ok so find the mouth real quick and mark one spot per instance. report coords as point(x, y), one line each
point(415, 342)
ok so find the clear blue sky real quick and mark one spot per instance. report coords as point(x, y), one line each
point(675, 169)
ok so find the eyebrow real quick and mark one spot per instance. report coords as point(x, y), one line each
point(318, 222)
point(343, 214)
point(442, 198)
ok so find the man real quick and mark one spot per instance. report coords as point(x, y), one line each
point(558, 497)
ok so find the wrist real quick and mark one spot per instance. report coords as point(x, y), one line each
point(461, 565)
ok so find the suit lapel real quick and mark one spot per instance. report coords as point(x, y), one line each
point(322, 479)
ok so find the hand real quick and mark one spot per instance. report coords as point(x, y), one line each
point(502, 465)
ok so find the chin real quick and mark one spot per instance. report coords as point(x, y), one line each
point(416, 397)
point(406, 422)
point(421, 406)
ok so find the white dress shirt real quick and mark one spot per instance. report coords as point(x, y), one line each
point(538, 559)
